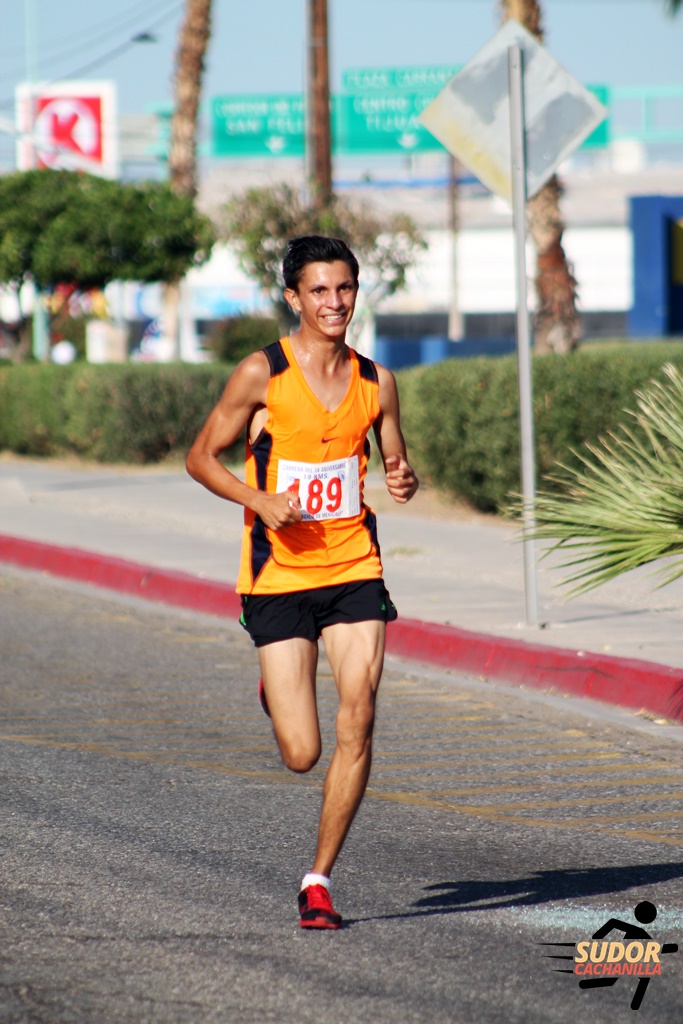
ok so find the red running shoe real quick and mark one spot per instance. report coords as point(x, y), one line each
point(262, 697)
point(315, 907)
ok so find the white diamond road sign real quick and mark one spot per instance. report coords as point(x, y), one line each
point(471, 115)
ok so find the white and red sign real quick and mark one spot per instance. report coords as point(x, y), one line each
point(70, 126)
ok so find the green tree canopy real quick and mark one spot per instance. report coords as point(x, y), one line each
point(259, 223)
point(59, 227)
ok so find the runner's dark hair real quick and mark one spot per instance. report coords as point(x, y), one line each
point(315, 249)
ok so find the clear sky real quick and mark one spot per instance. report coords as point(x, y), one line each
point(259, 45)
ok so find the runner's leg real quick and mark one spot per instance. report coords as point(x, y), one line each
point(356, 655)
point(288, 669)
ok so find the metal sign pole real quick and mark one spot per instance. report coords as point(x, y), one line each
point(526, 413)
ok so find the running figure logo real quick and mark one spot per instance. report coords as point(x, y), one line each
point(602, 963)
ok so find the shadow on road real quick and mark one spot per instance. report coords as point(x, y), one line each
point(536, 888)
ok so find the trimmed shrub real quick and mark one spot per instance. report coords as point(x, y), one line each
point(461, 421)
point(32, 407)
point(459, 417)
point(128, 413)
point(236, 337)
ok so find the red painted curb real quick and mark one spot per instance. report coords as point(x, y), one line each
point(164, 585)
point(627, 682)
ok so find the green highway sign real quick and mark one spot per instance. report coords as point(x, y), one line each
point(250, 126)
point(383, 122)
point(410, 79)
point(376, 114)
point(600, 137)
point(274, 126)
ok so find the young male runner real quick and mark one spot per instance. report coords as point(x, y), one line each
point(310, 563)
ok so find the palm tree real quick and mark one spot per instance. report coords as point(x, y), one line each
point(557, 326)
point(194, 38)
point(195, 33)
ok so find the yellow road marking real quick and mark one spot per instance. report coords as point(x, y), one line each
point(460, 737)
point(641, 816)
point(595, 824)
point(416, 699)
point(533, 787)
point(411, 692)
point(195, 640)
point(414, 799)
point(581, 802)
point(497, 813)
point(651, 837)
point(275, 774)
point(112, 746)
point(560, 744)
point(623, 766)
point(417, 719)
point(472, 753)
point(161, 723)
point(472, 757)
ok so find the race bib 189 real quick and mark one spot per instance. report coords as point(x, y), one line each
point(327, 490)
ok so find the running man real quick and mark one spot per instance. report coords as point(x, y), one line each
point(310, 564)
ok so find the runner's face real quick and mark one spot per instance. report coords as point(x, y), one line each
point(325, 298)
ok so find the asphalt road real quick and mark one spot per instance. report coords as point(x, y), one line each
point(152, 843)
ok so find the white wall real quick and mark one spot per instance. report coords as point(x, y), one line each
point(602, 259)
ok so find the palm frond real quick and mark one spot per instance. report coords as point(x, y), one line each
point(624, 503)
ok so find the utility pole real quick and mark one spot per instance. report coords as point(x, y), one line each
point(518, 135)
point(41, 329)
point(455, 325)
point(319, 128)
point(30, 47)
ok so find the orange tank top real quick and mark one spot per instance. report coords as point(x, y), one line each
point(327, 453)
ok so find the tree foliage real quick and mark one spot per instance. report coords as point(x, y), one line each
point(259, 223)
point(236, 337)
point(59, 227)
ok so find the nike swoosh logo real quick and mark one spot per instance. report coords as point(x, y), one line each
point(326, 440)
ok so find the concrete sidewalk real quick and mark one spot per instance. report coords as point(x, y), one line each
point(442, 565)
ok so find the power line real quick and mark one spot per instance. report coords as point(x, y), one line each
point(90, 38)
point(109, 55)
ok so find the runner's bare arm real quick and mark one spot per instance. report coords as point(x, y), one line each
point(400, 478)
point(244, 393)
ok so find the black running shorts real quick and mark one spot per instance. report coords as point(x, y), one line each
point(269, 618)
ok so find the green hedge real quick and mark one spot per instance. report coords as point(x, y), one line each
point(234, 338)
point(461, 422)
point(129, 413)
point(459, 417)
point(32, 410)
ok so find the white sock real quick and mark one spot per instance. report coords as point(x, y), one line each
point(313, 879)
